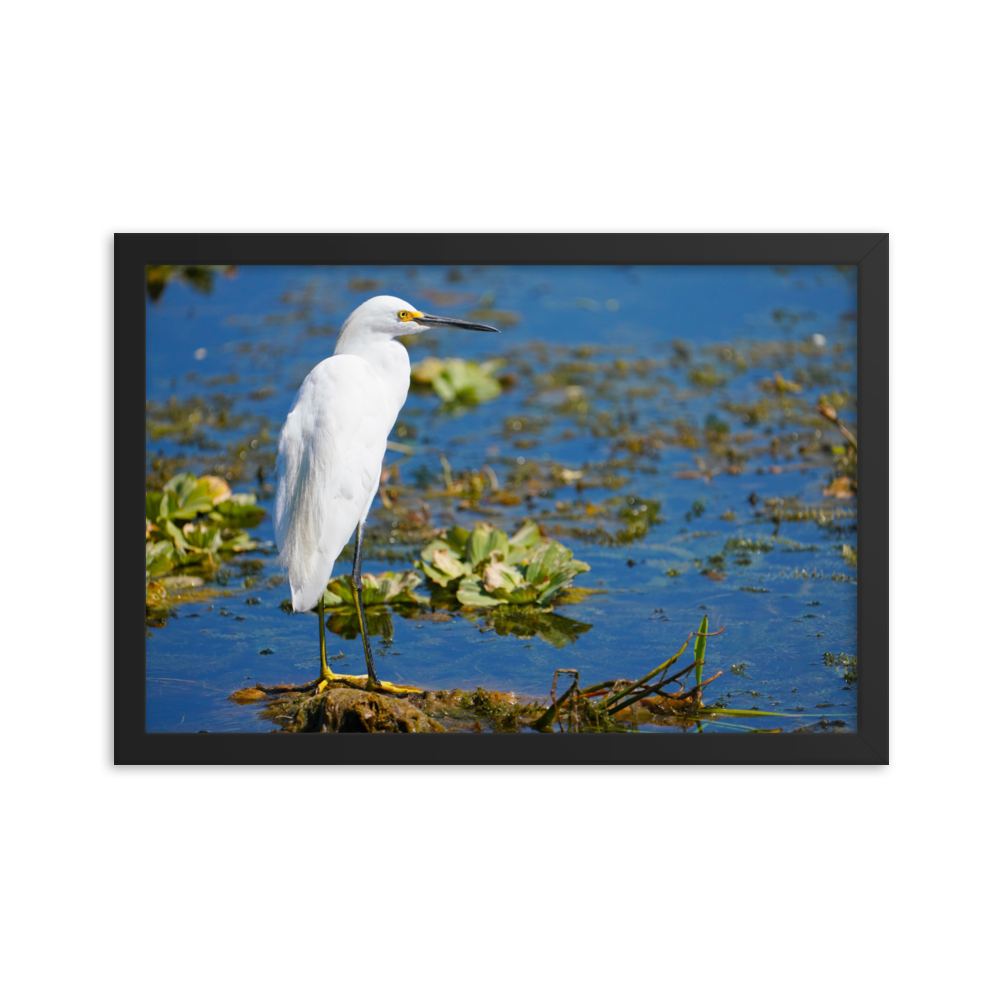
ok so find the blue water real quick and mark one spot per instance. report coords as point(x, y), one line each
point(266, 327)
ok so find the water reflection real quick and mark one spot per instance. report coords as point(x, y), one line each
point(345, 623)
point(527, 622)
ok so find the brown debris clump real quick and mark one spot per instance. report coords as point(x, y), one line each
point(348, 710)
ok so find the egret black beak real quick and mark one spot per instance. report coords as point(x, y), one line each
point(459, 324)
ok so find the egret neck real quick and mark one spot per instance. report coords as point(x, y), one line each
point(388, 359)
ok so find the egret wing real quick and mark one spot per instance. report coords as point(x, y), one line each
point(329, 461)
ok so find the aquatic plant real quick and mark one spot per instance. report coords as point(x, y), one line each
point(750, 546)
point(385, 588)
point(700, 643)
point(779, 384)
point(194, 523)
point(706, 377)
point(846, 660)
point(849, 554)
point(485, 568)
point(458, 382)
point(639, 516)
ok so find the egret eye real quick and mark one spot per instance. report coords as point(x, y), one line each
point(404, 315)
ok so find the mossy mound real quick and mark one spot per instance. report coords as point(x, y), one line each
point(344, 708)
point(348, 710)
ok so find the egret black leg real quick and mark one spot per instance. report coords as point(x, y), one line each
point(356, 590)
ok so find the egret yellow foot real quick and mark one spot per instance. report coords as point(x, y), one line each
point(395, 688)
point(363, 682)
point(324, 679)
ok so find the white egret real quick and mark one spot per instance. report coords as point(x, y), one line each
point(331, 449)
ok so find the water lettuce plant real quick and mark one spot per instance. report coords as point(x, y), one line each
point(386, 588)
point(196, 522)
point(485, 568)
point(457, 381)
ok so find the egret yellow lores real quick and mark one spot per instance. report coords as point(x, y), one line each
point(331, 450)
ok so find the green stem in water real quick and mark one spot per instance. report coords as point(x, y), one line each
point(699, 650)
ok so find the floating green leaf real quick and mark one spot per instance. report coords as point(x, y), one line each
point(524, 594)
point(160, 557)
point(498, 576)
point(153, 501)
point(236, 541)
point(472, 593)
point(240, 511)
point(482, 543)
point(176, 534)
point(442, 564)
point(457, 536)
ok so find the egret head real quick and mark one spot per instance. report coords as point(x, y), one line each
point(388, 316)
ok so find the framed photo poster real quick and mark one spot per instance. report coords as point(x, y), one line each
point(609, 487)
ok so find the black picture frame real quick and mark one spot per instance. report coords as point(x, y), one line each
point(868, 251)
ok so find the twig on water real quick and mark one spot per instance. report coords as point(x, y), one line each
point(693, 696)
point(827, 411)
point(575, 686)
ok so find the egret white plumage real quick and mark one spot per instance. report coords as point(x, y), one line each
point(331, 450)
